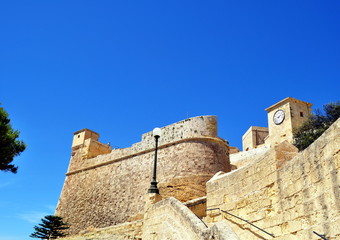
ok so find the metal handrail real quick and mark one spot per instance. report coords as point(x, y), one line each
point(323, 236)
point(270, 234)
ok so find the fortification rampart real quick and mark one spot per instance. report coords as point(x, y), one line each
point(110, 188)
point(286, 193)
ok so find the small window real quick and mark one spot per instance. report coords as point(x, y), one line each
point(79, 136)
point(301, 114)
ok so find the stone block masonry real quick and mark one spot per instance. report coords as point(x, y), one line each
point(171, 220)
point(109, 189)
point(124, 231)
point(286, 193)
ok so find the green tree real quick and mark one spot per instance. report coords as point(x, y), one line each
point(51, 227)
point(10, 146)
point(316, 125)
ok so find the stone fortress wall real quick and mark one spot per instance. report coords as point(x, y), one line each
point(288, 193)
point(109, 188)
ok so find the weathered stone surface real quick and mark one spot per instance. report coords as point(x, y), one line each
point(125, 231)
point(254, 137)
point(170, 219)
point(286, 193)
point(284, 153)
point(198, 206)
point(244, 158)
point(221, 230)
point(185, 188)
point(109, 189)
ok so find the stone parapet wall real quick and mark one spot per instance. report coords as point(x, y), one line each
point(108, 190)
point(169, 219)
point(192, 128)
point(198, 206)
point(189, 128)
point(286, 193)
point(94, 148)
point(196, 127)
point(240, 159)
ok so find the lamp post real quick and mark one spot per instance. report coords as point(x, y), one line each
point(153, 187)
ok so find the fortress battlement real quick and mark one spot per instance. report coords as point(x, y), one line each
point(95, 154)
point(190, 153)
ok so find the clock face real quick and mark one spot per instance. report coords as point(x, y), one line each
point(279, 116)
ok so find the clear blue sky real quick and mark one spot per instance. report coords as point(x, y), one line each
point(122, 68)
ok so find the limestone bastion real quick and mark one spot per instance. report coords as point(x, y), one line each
point(105, 187)
point(208, 190)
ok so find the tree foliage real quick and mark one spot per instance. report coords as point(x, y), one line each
point(52, 227)
point(316, 125)
point(10, 146)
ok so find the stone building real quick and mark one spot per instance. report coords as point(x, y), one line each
point(283, 118)
point(210, 190)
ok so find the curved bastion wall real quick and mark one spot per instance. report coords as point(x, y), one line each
point(110, 188)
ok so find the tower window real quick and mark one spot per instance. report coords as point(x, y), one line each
point(301, 114)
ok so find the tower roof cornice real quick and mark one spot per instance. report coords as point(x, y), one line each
point(288, 99)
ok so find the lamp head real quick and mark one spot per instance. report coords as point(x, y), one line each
point(157, 132)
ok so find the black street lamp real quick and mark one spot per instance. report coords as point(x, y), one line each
point(153, 187)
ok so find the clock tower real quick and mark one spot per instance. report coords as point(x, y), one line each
point(284, 117)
